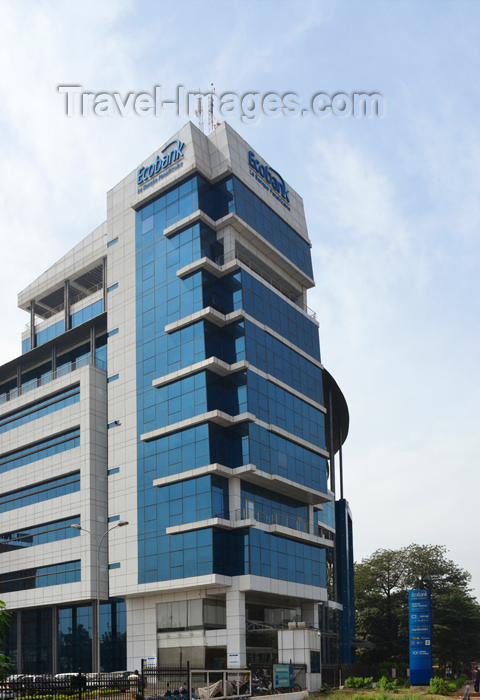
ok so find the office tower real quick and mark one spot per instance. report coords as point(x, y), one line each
point(170, 382)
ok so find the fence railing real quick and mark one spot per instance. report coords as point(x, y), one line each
point(161, 683)
point(48, 313)
point(293, 522)
point(51, 376)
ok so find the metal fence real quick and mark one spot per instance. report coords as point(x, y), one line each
point(164, 682)
point(167, 683)
point(75, 685)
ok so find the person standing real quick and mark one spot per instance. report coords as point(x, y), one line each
point(134, 684)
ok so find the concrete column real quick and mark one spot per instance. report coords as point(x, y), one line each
point(236, 638)
point(104, 283)
point(32, 324)
point(19, 642)
point(311, 521)
point(54, 640)
point(310, 613)
point(228, 244)
point(92, 343)
point(66, 304)
point(234, 496)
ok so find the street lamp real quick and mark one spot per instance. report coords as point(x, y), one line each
point(96, 635)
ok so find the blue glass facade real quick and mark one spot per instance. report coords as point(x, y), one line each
point(66, 362)
point(42, 491)
point(39, 534)
point(32, 630)
point(39, 409)
point(56, 329)
point(40, 450)
point(41, 576)
point(232, 196)
point(163, 298)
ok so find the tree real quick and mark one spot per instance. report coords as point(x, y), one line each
point(380, 599)
point(382, 582)
point(5, 665)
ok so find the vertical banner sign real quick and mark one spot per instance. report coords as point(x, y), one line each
point(420, 636)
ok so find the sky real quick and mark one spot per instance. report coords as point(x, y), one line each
point(392, 203)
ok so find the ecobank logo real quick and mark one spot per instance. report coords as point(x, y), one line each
point(161, 166)
point(270, 179)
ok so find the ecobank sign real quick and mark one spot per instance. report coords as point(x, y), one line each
point(161, 166)
point(270, 179)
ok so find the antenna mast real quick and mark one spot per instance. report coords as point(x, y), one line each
point(210, 109)
point(199, 112)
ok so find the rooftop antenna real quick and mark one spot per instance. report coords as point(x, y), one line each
point(211, 125)
point(199, 112)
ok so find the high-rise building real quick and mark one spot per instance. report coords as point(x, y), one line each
point(170, 382)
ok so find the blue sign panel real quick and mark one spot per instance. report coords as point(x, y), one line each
point(282, 676)
point(420, 636)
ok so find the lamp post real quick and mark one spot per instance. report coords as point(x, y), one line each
point(96, 636)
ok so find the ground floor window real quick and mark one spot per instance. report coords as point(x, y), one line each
point(58, 639)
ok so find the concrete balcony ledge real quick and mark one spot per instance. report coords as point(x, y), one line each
point(216, 416)
point(251, 474)
point(188, 221)
point(206, 314)
point(206, 264)
point(219, 319)
point(225, 524)
point(209, 522)
point(213, 364)
point(288, 532)
point(261, 244)
point(249, 234)
point(225, 264)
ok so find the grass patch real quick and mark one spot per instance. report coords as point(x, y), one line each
point(374, 694)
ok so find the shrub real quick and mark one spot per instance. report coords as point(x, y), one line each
point(358, 682)
point(458, 682)
point(385, 684)
point(439, 686)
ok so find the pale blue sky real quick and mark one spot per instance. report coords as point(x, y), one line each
point(392, 204)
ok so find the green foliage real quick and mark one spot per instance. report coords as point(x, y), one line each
point(5, 665)
point(385, 684)
point(382, 582)
point(325, 688)
point(72, 694)
point(439, 686)
point(358, 682)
